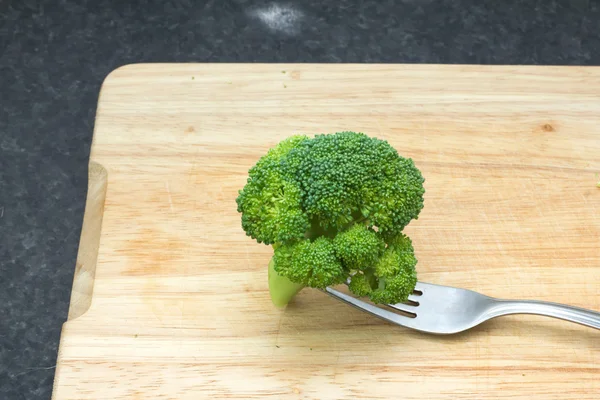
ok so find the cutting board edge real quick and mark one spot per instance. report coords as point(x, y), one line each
point(87, 255)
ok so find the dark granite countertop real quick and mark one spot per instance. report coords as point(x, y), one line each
point(54, 55)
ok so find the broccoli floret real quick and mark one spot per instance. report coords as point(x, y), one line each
point(358, 247)
point(309, 263)
point(398, 257)
point(271, 206)
point(395, 271)
point(361, 284)
point(395, 289)
point(334, 207)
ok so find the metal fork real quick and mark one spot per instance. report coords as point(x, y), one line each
point(445, 310)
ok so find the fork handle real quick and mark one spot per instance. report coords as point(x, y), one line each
point(554, 310)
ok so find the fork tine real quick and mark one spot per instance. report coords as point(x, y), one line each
point(415, 298)
point(371, 309)
point(405, 308)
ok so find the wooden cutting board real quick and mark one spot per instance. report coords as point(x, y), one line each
point(180, 307)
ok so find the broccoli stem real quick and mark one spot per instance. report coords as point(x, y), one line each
point(316, 231)
point(281, 288)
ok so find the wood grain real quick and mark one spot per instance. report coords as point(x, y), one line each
point(180, 307)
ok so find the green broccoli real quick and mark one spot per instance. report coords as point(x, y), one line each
point(334, 207)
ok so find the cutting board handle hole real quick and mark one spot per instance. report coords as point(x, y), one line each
point(89, 242)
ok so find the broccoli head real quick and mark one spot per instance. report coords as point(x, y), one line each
point(334, 207)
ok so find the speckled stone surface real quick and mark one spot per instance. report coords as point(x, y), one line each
point(54, 55)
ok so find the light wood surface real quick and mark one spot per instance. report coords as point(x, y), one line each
point(180, 307)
